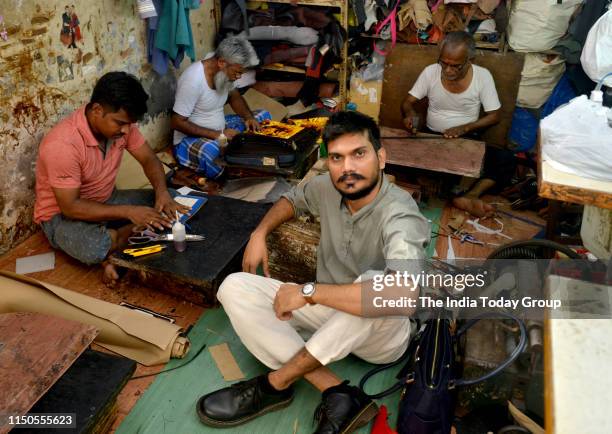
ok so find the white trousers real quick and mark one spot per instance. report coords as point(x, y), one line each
point(248, 301)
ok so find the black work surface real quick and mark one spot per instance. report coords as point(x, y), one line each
point(89, 388)
point(227, 225)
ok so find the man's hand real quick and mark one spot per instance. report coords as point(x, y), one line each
point(455, 132)
point(252, 124)
point(230, 133)
point(288, 298)
point(256, 253)
point(165, 204)
point(409, 124)
point(144, 216)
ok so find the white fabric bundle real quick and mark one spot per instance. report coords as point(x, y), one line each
point(576, 138)
point(538, 79)
point(596, 55)
point(537, 25)
point(296, 35)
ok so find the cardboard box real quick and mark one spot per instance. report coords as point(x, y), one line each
point(366, 95)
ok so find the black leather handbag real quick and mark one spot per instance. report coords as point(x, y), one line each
point(429, 376)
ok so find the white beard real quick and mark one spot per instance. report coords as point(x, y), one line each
point(222, 82)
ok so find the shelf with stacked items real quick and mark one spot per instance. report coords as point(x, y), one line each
point(342, 68)
point(501, 44)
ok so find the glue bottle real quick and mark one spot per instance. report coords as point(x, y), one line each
point(222, 140)
point(178, 235)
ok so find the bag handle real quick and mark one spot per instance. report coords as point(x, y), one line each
point(378, 369)
point(460, 382)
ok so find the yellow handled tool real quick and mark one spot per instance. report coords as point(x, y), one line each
point(141, 251)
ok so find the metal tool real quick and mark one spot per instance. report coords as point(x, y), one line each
point(142, 251)
point(148, 236)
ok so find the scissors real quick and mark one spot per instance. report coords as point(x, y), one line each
point(148, 236)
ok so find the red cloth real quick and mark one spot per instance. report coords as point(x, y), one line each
point(380, 425)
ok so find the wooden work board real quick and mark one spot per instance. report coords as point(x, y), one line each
point(431, 152)
point(406, 61)
point(35, 350)
point(196, 273)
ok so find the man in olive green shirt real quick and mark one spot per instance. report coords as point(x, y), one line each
point(368, 226)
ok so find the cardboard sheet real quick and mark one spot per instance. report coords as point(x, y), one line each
point(149, 341)
point(131, 175)
point(32, 264)
point(226, 362)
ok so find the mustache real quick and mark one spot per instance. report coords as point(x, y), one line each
point(355, 176)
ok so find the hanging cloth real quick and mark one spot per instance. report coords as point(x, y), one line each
point(174, 34)
point(389, 20)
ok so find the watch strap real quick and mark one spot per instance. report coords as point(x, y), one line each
point(309, 299)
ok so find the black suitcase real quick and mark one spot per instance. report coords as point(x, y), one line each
point(257, 150)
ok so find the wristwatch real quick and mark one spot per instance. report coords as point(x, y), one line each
point(308, 291)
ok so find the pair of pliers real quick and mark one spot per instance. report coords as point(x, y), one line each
point(470, 239)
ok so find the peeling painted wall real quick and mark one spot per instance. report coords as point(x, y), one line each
point(49, 63)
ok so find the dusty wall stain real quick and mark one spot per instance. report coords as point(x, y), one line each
point(36, 91)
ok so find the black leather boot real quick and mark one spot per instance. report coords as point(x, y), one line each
point(343, 409)
point(241, 402)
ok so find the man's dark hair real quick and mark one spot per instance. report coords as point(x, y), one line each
point(350, 122)
point(453, 39)
point(119, 90)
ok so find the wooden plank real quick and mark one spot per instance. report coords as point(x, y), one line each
point(457, 156)
point(519, 225)
point(565, 187)
point(36, 350)
point(406, 62)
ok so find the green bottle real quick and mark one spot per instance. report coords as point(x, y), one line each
point(322, 149)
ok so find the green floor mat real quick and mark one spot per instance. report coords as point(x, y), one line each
point(168, 406)
point(432, 212)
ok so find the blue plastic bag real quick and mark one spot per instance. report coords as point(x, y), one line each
point(524, 128)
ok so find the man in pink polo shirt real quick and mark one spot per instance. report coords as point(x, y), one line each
point(77, 205)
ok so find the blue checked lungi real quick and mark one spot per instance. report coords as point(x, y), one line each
point(199, 153)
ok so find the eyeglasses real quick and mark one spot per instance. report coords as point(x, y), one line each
point(445, 65)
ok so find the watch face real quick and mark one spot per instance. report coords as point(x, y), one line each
point(308, 289)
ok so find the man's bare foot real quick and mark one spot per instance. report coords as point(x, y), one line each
point(475, 207)
point(109, 275)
